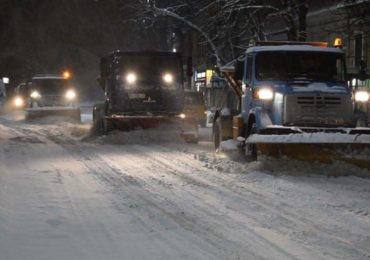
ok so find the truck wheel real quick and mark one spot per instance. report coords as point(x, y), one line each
point(251, 149)
point(217, 133)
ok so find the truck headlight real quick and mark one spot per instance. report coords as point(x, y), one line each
point(264, 93)
point(131, 78)
point(168, 78)
point(71, 94)
point(35, 94)
point(18, 102)
point(362, 96)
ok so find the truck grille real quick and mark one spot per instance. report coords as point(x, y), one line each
point(53, 100)
point(317, 110)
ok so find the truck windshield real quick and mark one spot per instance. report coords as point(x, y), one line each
point(149, 69)
point(50, 86)
point(292, 65)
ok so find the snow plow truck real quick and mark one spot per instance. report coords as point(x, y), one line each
point(292, 99)
point(52, 95)
point(143, 89)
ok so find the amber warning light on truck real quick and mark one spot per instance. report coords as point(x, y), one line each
point(66, 74)
point(338, 42)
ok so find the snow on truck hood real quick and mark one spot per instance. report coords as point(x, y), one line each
point(319, 87)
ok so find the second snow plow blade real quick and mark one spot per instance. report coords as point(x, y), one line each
point(352, 147)
point(187, 127)
point(40, 112)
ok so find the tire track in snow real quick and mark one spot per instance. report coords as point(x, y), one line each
point(139, 195)
point(260, 237)
point(258, 197)
point(261, 199)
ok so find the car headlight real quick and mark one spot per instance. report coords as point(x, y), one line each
point(18, 102)
point(131, 78)
point(362, 96)
point(168, 78)
point(71, 94)
point(35, 94)
point(182, 116)
point(264, 93)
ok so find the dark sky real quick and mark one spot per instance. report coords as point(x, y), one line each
point(47, 36)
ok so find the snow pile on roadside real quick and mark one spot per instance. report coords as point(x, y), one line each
point(70, 130)
point(229, 145)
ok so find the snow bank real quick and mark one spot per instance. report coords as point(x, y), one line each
point(229, 145)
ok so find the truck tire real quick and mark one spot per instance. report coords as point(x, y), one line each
point(251, 149)
point(217, 133)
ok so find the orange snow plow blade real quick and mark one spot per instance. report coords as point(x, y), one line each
point(317, 147)
point(187, 127)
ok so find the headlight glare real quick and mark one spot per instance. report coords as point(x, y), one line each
point(168, 78)
point(264, 94)
point(18, 102)
point(71, 94)
point(131, 78)
point(362, 96)
point(182, 116)
point(35, 94)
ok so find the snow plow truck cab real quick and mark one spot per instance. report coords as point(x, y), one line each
point(291, 98)
point(143, 90)
point(52, 95)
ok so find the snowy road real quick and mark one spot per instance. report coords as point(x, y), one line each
point(127, 196)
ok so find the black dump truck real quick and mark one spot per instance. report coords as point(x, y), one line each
point(143, 90)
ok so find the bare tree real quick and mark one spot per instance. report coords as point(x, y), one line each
point(226, 26)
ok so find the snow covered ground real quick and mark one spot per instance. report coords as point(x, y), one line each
point(147, 195)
